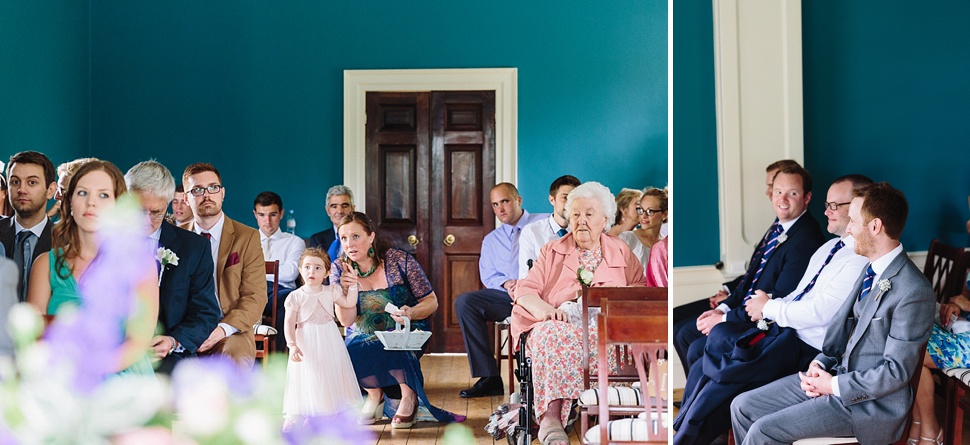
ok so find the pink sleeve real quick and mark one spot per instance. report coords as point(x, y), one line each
point(657, 264)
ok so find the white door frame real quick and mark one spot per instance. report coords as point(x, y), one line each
point(357, 83)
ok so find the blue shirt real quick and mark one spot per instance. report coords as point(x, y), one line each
point(500, 252)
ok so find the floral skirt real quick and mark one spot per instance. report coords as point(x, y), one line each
point(949, 350)
point(557, 364)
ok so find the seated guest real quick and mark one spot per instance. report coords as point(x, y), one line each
point(64, 173)
point(948, 347)
point(91, 192)
point(240, 273)
point(188, 309)
point(340, 203)
point(691, 311)
point(657, 265)
point(652, 211)
point(626, 219)
point(181, 212)
point(775, 268)
point(859, 384)
point(277, 245)
point(27, 234)
point(538, 233)
point(554, 337)
point(382, 275)
point(498, 267)
point(800, 320)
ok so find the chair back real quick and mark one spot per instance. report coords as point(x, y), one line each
point(593, 297)
point(942, 268)
point(272, 268)
point(647, 337)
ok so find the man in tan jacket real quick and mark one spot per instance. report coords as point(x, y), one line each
point(239, 265)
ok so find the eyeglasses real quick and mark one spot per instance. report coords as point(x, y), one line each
point(648, 211)
point(155, 215)
point(835, 205)
point(212, 189)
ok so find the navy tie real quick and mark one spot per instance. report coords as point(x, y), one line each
point(24, 257)
point(562, 232)
point(811, 284)
point(758, 252)
point(867, 282)
point(770, 248)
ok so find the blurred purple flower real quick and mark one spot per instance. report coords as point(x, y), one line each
point(239, 378)
point(340, 427)
point(90, 341)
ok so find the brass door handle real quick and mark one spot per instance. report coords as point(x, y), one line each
point(449, 240)
point(413, 240)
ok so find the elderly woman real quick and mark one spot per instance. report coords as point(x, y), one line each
point(554, 342)
point(382, 275)
point(652, 210)
point(626, 219)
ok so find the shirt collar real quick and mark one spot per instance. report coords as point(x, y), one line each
point(848, 241)
point(275, 235)
point(519, 225)
point(786, 226)
point(879, 266)
point(38, 229)
point(156, 234)
point(554, 225)
point(216, 230)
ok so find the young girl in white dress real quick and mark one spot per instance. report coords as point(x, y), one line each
point(320, 379)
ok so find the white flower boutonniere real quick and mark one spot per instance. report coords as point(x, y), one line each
point(585, 277)
point(763, 324)
point(165, 257)
point(884, 286)
point(782, 238)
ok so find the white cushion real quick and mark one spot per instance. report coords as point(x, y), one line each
point(962, 374)
point(617, 396)
point(262, 329)
point(634, 429)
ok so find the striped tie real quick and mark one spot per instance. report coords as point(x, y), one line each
point(770, 248)
point(811, 284)
point(867, 282)
point(759, 252)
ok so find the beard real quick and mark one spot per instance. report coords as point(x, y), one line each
point(29, 209)
point(205, 210)
point(863, 244)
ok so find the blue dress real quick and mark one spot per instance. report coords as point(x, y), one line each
point(374, 366)
point(949, 350)
point(65, 290)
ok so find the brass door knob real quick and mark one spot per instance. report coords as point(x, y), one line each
point(449, 240)
point(413, 240)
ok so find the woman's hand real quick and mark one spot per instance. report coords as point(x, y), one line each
point(948, 310)
point(404, 311)
point(961, 302)
point(551, 313)
point(348, 277)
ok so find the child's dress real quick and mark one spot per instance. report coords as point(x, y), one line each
point(324, 382)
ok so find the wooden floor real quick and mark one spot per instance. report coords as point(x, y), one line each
point(445, 376)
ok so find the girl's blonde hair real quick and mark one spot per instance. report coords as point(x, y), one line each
point(315, 252)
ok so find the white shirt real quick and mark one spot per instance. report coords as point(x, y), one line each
point(533, 237)
point(642, 252)
point(811, 315)
point(38, 228)
point(216, 233)
point(287, 248)
point(879, 266)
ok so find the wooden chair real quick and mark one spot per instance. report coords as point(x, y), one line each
point(957, 381)
point(503, 349)
point(647, 337)
point(942, 269)
point(265, 340)
point(630, 297)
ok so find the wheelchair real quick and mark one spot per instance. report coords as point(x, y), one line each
point(527, 427)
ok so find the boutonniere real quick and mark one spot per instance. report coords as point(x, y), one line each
point(584, 276)
point(884, 286)
point(782, 238)
point(165, 257)
point(763, 324)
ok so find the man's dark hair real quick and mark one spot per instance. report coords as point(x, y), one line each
point(268, 199)
point(801, 172)
point(36, 158)
point(561, 181)
point(881, 200)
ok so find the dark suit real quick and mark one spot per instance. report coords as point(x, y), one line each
point(780, 276)
point(874, 359)
point(8, 237)
point(322, 240)
point(188, 309)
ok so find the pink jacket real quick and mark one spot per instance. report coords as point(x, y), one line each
point(553, 277)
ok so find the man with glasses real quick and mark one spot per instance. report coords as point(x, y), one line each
point(240, 271)
point(188, 310)
point(30, 179)
point(340, 203)
point(806, 311)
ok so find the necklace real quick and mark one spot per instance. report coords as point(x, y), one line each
point(361, 273)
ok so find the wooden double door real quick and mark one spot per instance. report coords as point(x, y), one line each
point(430, 163)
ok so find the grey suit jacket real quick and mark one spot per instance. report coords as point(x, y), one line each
point(9, 275)
point(875, 357)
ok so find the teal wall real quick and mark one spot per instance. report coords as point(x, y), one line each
point(885, 94)
point(255, 87)
point(695, 136)
point(44, 78)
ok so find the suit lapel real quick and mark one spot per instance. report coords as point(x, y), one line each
point(869, 311)
point(225, 246)
point(168, 240)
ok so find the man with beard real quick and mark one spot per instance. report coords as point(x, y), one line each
point(27, 234)
point(239, 266)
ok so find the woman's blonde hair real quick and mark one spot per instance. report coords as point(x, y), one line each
point(623, 199)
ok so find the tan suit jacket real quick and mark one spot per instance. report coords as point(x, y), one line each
point(241, 280)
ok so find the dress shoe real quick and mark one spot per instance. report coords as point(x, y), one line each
point(399, 421)
point(485, 387)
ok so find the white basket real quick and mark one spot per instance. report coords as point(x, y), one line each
point(403, 339)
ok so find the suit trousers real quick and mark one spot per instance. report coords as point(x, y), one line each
point(685, 334)
point(781, 413)
point(475, 309)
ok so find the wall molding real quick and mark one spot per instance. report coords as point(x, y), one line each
point(357, 83)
